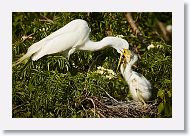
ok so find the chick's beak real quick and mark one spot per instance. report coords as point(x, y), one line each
point(126, 54)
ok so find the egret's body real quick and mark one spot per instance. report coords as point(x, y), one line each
point(139, 86)
point(73, 36)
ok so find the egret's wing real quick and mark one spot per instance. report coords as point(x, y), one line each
point(68, 28)
point(143, 81)
point(63, 42)
point(63, 39)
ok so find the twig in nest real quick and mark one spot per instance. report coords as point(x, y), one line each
point(101, 115)
point(111, 97)
point(93, 105)
point(107, 109)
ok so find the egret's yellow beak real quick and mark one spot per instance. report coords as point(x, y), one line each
point(127, 55)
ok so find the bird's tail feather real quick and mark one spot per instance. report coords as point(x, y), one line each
point(31, 50)
point(27, 55)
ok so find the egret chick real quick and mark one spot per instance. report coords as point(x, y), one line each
point(71, 37)
point(139, 86)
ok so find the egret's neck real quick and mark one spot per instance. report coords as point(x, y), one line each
point(93, 46)
point(133, 60)
point(128, 69)
point(127, 72)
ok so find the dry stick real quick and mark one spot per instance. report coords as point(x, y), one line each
point(17, 43)
point(135, 29)
point(93, 105)
point(46, 20)
point(164, 31)
point(111, 97)
point(26, 37)
point(17, 107)
point(132, 23)
point(101, 114)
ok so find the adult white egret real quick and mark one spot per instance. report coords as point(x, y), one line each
point(139, 86)
point(73, 36)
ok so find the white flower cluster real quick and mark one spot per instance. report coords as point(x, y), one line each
point(153, 46)
point(108, 73)
point(119, 36)
point(44, 29)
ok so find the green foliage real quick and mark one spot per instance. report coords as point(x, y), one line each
point(56, 87)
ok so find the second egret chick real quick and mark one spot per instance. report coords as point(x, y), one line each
point(139, 86)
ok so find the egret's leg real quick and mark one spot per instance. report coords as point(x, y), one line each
point(71, 51)
point(141, 98)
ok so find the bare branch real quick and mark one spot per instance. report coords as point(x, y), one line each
point(135, 29)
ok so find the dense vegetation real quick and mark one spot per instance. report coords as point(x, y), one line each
point(56, 87)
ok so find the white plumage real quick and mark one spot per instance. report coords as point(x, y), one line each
point(73, 36)
point(139, 86)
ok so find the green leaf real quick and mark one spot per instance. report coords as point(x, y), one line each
point(21, 93)
point(169, 94)
point(160, 107)
point(160, 94)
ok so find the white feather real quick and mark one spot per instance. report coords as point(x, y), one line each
point(138, 84)
point(73, 36)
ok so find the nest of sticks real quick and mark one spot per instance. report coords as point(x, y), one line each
point(108, 107)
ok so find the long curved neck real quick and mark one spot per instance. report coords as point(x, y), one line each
point(93, 46)
point(133, 60)
point(128, 70)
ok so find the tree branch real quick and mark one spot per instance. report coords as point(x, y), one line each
point(135, 29)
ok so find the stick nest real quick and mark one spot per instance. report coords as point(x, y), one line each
point(108, 107)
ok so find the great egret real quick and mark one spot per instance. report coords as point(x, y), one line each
point(73, 36)
point(139, 86)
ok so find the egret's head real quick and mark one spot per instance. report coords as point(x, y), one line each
point(124, 49)
point(125, 55)
point(117, 43)
point(121, 45)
